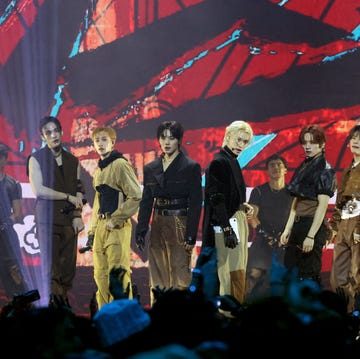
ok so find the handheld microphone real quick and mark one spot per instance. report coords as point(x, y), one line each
point(71, 207)
point(88, 246)
point(85, 249)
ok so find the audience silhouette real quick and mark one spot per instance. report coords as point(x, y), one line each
point(297, 314)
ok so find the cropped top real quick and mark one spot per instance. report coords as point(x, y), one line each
point(313, 177)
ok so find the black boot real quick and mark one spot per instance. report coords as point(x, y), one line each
point(67, 303)
point(54, 301)
point(357, 302)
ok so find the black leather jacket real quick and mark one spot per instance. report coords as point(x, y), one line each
point(225, 192)
point(313, 177)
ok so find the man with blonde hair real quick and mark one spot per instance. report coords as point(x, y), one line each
point(225, 199)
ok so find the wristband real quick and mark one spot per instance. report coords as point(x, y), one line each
point(310, 237)
point(67, 196)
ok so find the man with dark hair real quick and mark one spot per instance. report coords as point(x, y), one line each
point(312, 185)
point(11, 266)
point(173, 195)
point(271, 202)
point(345, 225)
point(54, 175)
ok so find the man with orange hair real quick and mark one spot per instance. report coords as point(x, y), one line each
point(117, 198)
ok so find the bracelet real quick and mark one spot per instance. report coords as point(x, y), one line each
point(226, 229)
point(67, 196)
point(310, 237)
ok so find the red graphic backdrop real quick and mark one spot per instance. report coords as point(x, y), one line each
point(132, 64)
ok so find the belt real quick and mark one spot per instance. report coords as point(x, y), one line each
point(171, 212)
point(299, 218)
point(351, 209)
point(104, 215)
point(169, 202)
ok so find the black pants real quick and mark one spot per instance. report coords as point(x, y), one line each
point(11, 262)
point(58, 250)
point(308, 264)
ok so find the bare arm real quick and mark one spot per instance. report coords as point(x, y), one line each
point(284, 238)
point(254, 220)
point(41, 191)
point(36, 182)
point(17, 215)
point(319, 214)
point(323, 201)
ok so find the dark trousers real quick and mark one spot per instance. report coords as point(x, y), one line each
point(58, 249)
point(345, 271)
point(11, 262)
point(308, 264)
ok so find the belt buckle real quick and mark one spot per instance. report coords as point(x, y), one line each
point(351, 206)
point(163, 201)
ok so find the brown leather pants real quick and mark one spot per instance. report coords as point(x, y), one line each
point(345, 271)
point(169, 262)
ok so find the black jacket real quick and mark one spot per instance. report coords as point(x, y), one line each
point(182, 179)
point(225, 191)
point(313, 177)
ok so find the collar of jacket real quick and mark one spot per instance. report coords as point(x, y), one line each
point(227, 150)
point(114, 155)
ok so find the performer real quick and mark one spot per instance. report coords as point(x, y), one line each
point(225, 197)
point(117, 198)
point(172, 194)
point(54, 175)
point(11, 264)
point(272, 203)
point(312, 186)
point(345, 224)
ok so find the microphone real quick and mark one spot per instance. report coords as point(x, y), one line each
point(71, 207)
point(88, 245)
point(85, 249)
